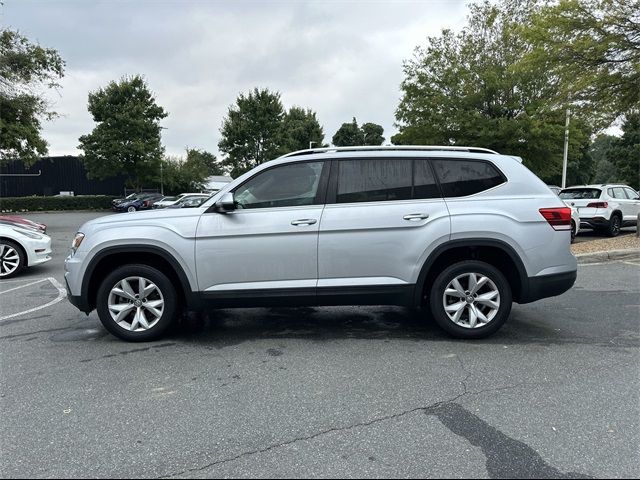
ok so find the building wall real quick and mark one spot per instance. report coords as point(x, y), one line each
point(56, 174)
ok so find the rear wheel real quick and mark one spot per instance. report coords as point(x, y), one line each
point(12, 259)
point(131, 209)
point(470, 299)
point(573, 231)
point(137, 303)
point(614, 226)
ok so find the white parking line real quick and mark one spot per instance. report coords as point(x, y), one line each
point(62, 293)
point(24, 286)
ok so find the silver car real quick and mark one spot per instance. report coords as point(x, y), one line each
point(461, 231)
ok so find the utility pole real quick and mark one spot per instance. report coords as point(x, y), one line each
point(161, 178)
point(566, 151)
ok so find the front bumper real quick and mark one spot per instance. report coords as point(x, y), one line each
point(545, 286)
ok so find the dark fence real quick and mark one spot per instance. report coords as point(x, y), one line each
point(53, 175)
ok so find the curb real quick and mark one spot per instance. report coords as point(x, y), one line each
point(606, 256)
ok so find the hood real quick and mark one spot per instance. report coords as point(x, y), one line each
point(148, 217)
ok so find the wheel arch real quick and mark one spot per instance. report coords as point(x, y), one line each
point(495, 252)
point(111, 258)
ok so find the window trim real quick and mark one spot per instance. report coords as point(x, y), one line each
point(321, 193)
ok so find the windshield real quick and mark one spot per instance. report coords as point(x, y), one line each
point(578, 193)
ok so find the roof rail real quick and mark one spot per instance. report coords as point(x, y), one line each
point(310, 151)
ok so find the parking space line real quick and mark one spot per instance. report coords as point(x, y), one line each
point(24, 286)
point(62, 293)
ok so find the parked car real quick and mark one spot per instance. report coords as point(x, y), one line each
point(575, 216)
point(21, 247)
point(164, 201)
point(606, 208)
point(23, 222)
point(190, 201)
point(142, 201)
point(462, 231)
point(117, 201)
point(182, 196)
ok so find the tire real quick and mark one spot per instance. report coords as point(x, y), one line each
point(463, 329)
point(158, 309)
point(132, 209)
point(614, 226)
point(573, 231)
point(12, 259)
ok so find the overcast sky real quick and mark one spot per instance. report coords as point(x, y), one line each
point(340, 58)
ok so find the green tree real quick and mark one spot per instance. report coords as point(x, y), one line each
point(606, 172)
point(372, 134)
point(351, 135)
point(299, 128)
point(625, 153)
point(252, 131)
point(593, 47)
point(27, 70)
point(471, 88)
point(126, 139)
point(189, 174)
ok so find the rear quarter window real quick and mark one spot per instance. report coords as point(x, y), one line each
point(461, 178)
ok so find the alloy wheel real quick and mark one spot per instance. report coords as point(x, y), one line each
point(136, 304)
point(9, 260)
point(471, 300)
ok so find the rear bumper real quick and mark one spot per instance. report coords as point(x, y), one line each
point(545, 286)
point(594, 222)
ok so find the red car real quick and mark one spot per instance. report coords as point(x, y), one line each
point(23, 222)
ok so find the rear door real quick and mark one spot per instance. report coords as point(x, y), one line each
point(383, 215)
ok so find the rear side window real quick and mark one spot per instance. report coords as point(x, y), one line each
point(580, 193)
point(631, 194)
point(617, 192)
point(460, 178)
point(375, 180)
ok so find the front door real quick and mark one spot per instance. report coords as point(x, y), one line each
point(268, 245)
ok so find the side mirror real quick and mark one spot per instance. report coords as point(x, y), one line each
point(225, 204)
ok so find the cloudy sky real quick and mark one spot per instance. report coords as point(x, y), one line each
point(340, 58)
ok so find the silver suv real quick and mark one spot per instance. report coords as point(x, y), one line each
point(461, 231)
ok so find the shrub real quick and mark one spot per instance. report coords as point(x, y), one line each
point(31, 204)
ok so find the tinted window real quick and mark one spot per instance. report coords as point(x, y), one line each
point(424, 183)
point(374, 180)
point(459, 178)
point(286, 186)
point(580, 193)
point(631, 193)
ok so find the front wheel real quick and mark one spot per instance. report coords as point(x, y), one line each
point(137, 303)
point(470, 299)
point(12, 259)
point(131, 209)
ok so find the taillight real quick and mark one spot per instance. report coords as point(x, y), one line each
point(146, 203)
point(559, 218)
point(598, 205)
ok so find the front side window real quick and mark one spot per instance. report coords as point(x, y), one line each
point(289, 185)
point(375, 180)
point(460, 178)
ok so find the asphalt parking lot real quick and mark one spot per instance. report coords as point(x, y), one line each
point(321, 392)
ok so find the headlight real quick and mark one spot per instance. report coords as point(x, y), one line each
point(28, 233)
point(77, 241)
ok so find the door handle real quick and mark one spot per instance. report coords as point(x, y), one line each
point(304, 221)
point(416, 216)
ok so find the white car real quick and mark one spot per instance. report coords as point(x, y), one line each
point(21, 248)
point(168, 201)
point(606, 208)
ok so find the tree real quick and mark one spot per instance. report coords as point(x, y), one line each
point(252, 131)
point(625, 152)
point(372, 134)
point(593, 47)
point(300, 127)
point(126, 139)
point(350, 134)
point(189, 174)
point(471, 88)
point(26, 71)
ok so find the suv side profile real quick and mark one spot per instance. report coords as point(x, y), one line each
point(462, 231)
point(606, 208)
